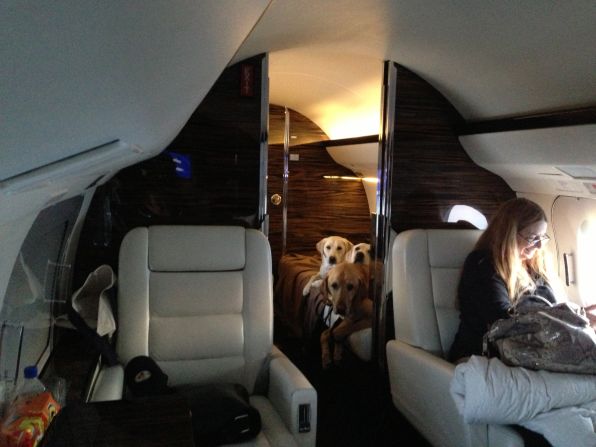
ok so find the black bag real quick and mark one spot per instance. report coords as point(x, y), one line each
point(221, 413)
point(540, 335)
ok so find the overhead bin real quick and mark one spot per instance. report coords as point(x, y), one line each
point(554, 160)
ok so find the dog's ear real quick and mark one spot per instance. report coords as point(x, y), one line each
point(321, 246)
point(363, 279)
point(349, 245)
point(350, 254)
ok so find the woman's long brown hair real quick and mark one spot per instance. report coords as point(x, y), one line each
point(500, 238)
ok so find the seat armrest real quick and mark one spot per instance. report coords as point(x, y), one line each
point(109, 384)
point(420, 383)
point(294, 398)
point(420, 387)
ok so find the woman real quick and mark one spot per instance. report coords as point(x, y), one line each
point(506, 263)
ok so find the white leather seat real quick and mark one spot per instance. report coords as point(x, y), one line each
point(199, 300)
point(426, 270)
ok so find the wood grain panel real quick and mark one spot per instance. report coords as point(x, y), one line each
point(317, 207)
point(431, 170)
point(557, 118)
point(221, 140)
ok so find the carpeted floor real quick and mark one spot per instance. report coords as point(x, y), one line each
point(354, 403)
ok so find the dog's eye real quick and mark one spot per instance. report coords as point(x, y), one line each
point(328, 247)
point(334, 286)
point(339, 248)
point(349, 286)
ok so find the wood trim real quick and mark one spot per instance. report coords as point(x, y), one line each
point(349, 141)
point(558, 118)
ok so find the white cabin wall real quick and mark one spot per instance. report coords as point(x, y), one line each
point(80, 74)
point(574, 218)
point(12, 235)
point(566, 214)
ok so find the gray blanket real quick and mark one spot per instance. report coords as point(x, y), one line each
point(560, 406)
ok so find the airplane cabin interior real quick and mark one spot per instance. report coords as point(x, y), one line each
point(170, 173)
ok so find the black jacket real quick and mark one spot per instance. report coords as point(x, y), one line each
point(483, 299)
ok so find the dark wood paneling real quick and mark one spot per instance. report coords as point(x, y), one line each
point(572, 117)
point(349, 141)
point(222, 141)
point(317, 207)
point(431, 170)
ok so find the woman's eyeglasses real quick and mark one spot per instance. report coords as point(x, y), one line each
point(534, 240)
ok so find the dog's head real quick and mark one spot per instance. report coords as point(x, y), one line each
point(333, 249)
point(360, 254)
point(347, 286)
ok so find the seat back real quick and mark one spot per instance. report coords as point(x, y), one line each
point(426, 270)
point(198, 300)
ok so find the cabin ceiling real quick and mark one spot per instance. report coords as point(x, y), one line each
point(490, 59)
point(78, 74)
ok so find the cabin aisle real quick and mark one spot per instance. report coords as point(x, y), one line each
point(355, 407)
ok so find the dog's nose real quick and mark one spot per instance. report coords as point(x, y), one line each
point(332, 260)
point(341, 309)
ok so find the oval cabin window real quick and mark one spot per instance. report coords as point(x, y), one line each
point(468, 214)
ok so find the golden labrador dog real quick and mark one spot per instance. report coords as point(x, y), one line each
point(333, 251)
point(347, 288)
point(360, 254)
